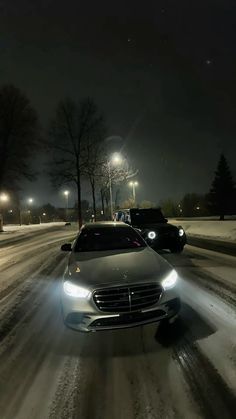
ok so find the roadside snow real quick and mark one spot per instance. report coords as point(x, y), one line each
point(220, 230)
point(17, 230)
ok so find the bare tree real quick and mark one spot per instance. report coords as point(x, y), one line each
point(104, 193)
point(71, 130)
point(19, 131)
point(19, 134)
point(147, 204)
point(128, 203)
point(117, 174)
point(93, 162)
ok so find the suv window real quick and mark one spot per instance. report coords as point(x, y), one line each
point(146, 216)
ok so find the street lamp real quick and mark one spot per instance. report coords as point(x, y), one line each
point(133, 186)
point(3, 199)
point(30, 202)
point(115, 159)
point(66, 194)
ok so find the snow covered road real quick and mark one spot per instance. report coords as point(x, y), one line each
point(48, 371)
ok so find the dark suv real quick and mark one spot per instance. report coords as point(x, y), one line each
point(154, 228)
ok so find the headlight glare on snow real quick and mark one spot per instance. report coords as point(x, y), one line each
point(74, 290)
point(181, 232)
point(170, 281)
point(152, 235)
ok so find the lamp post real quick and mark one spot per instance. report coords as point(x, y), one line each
point(115, 159)
point(133, 186)
point(3, 199)
point(67, 193)
point(30, 202)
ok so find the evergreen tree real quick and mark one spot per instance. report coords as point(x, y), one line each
point(222, 194)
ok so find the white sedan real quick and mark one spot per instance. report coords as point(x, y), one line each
point(113, 279)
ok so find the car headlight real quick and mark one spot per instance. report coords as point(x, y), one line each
point(181, 232)
point(152, 235)
point(170, 281)
point(74, 290)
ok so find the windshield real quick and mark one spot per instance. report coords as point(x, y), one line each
point(93, 240)
point(146, 216)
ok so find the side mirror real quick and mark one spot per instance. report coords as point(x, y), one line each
point(66, 247)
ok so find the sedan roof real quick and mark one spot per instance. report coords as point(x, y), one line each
point(105, 224)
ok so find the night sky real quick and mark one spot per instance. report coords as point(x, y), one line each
point(163, 73)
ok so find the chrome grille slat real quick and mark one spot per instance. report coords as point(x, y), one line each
point(144, 286)
point(112, 295)
point(120, 307)
point(111, 301)
point(127, 299)
point(141, 295)
point(134, 300)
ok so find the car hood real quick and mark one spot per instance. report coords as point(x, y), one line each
point(93, 269)
point(157, 226)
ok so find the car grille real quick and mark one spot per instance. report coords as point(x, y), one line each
point(126, 299)
point(170, 233)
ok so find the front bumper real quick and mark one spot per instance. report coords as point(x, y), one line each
point(91, 320)
point(166, 242)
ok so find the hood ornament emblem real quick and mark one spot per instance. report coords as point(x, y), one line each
point(125, 276)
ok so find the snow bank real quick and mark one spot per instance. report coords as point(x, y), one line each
point(17, 230)
point(220, 230)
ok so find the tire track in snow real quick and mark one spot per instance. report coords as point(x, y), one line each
point(207, 387)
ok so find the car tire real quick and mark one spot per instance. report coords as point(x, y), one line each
point(177, 249)
point(171, 321)
point(168, 333)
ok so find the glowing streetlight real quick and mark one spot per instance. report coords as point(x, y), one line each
point(133, 186)
point(66, 194)
point(30, 202)
point(4, 197)
point(115, 159)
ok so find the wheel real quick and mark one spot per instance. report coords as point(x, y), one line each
point(170, 333)
point(177, 249)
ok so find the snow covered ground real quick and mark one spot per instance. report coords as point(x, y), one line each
point(12, 228)
point(213, 229)
point(12, 231)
